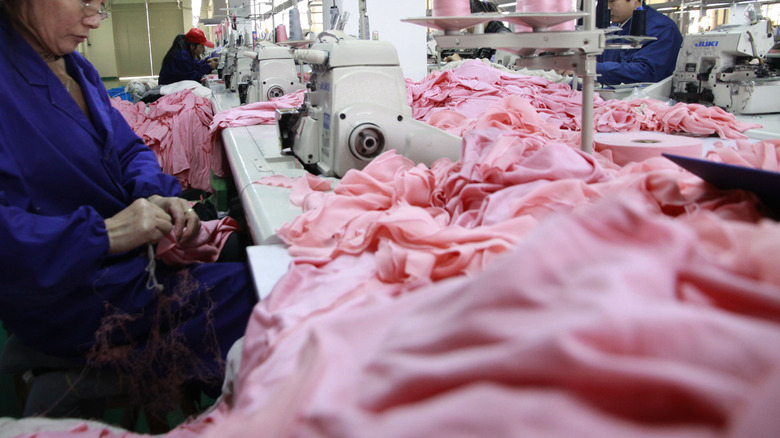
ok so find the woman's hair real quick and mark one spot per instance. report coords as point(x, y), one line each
point(179, 44)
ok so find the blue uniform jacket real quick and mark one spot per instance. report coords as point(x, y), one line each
point(183, 67)
point(60, 176)
point(655, 61)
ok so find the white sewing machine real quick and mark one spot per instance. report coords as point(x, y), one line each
point(272, 73)
point(230, 66)
point(725, 67)
point(356, 108)
point(240, 80)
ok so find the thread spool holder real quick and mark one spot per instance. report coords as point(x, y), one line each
point(574, 50)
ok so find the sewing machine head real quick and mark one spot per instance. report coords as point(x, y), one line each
point(355, 108)
point(271, 73)
point(230, 68)
point(726, 67)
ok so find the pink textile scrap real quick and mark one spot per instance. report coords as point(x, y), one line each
point(305, 192)
point(205, 248)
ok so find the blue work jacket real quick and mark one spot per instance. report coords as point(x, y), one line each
point(183, 67)
point(653, 62)
point(61, 175)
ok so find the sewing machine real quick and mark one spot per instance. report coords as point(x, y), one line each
point(355, 108)
point(272, 74)
point(229, 69)
point(240, 80)
point(726, 67)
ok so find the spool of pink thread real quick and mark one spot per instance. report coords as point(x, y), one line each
point(451, 8)
point(281, 33)
point(537, 6)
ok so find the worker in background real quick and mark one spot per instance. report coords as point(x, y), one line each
point(654, 61)
point(183, 61)
point(82, 202)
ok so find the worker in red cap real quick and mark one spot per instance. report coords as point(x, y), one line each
point(183, 60)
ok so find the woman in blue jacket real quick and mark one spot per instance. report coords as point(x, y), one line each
point(654, 61)
point(82, 199)
point(183, 61)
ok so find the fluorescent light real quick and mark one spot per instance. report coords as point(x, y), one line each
point(130, 78)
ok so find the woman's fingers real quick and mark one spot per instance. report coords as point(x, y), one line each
point(140, 223)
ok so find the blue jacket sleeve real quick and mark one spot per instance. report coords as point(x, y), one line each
point(653, 62)
point(51, 254)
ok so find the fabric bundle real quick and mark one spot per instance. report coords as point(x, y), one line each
point(176, 127)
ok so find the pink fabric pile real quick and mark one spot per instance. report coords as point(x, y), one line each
point(528, 289)
point(525, 291)
point(176, 127)
point(477, 96)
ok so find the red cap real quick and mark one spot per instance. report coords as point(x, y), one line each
point(196, 36)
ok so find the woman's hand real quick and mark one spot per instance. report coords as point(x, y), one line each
point(140, 223)
point(186, 223)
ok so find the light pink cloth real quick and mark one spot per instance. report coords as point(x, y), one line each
point(205, 248)
point(478, 93)
point(176, 127)
point(306, 192)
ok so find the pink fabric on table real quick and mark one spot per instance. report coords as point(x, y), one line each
point(176, 127)
point(205, 248)
point(763, 155)
point(576, 320)
point(304, 190)
point(474, 88)
point(258, 113)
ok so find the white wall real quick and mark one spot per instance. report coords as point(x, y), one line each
point(99, 49)
point(384, 16)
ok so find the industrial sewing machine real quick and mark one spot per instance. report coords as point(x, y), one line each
point(355, 108)
point(242, 68)
point(272, 74)
point(726, 67)
point(230, 67)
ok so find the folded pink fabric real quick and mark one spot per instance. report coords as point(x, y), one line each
point(205, 248)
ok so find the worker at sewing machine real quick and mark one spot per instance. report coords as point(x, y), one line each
point(183, 61)
point(654, 61)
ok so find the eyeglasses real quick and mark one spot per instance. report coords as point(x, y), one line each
point(90, 10)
